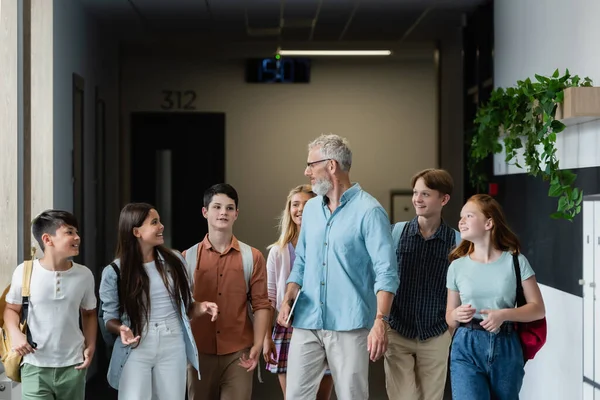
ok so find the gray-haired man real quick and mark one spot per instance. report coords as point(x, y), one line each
point(346, 271)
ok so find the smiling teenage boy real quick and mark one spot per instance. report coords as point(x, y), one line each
point(417, 356)
point(229, 347)
point(61, 291)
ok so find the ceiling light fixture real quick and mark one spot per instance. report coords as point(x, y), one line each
point(334, 52)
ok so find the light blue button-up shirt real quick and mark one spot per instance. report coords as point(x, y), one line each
point(342, 260)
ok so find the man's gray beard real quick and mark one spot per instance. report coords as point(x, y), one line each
point(322, 186)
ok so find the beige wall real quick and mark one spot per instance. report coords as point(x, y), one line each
point(42, 110)
point(385, 107)
point(8, 139)
point(38, 96)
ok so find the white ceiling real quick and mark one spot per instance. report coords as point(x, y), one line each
point(284, 20)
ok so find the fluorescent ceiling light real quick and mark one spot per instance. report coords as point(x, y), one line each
point(334, 52)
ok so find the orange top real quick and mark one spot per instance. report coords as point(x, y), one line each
point(219, 277)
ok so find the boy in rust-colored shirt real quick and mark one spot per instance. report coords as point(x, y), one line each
point(229, 347)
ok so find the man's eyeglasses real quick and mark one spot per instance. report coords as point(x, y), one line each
point(310, 164)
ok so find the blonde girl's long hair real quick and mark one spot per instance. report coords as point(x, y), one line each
point(502, 237)
point(288, 230)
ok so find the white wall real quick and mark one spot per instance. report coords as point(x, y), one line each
point(537, 37)
point(385, 107)
point(556, 371)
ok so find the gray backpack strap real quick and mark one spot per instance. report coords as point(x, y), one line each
point(248, 263)
point(458, 237)
point(191, 257)
point(397, 233)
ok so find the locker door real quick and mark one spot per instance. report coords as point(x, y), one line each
point(588, 289)
point(588, 392)
point(596, 292)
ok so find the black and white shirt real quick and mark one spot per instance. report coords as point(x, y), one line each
point(419, 307)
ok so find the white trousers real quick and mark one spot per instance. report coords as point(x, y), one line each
point(345, 353)
point(156, 369)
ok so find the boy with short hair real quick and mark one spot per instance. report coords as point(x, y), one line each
point(61, 291)
point(229, 348)
point(417, 356)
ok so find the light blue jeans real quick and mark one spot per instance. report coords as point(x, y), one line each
point(156, 369)
point(486, 365)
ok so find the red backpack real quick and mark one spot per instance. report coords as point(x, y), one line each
point(532, 334)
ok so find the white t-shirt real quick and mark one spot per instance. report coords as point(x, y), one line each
point(55, 300)
point(162, 306)
point(490, 286)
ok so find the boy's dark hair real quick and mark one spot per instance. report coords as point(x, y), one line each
point(220, 188)
point(49, 221)
point(435, 179)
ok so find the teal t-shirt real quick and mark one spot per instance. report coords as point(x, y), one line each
point(487, 286)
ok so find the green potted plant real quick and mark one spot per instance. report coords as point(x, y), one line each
point(524, 117)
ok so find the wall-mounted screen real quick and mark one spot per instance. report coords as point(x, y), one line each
point(283, 70)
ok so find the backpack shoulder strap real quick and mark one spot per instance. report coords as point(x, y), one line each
point(118, 273)
point(115, 268)
point(458, 237)
point(27, 269)
point(520, 298)
point(397, 230)
point(248, 263)
point(191, 256)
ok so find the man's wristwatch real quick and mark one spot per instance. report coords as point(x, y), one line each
point(384, 318)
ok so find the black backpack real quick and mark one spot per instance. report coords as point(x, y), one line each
point(109, 338)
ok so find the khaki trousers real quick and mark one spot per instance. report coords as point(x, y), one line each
point(344, 352)
point(414, 369)
point(222, 378)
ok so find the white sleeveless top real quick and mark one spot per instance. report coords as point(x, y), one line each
point(162, 306)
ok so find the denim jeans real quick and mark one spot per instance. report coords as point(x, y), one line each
point(156, 369)
point(485, 365)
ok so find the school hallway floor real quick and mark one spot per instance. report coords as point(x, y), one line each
point(98, 389)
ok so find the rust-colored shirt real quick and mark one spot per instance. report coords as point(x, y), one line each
point(219, 277)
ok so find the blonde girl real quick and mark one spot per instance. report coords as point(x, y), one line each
point(279, 264)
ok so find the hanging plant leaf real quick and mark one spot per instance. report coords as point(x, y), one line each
point(524, 116)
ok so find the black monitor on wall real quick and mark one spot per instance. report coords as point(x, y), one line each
point(278, 70)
